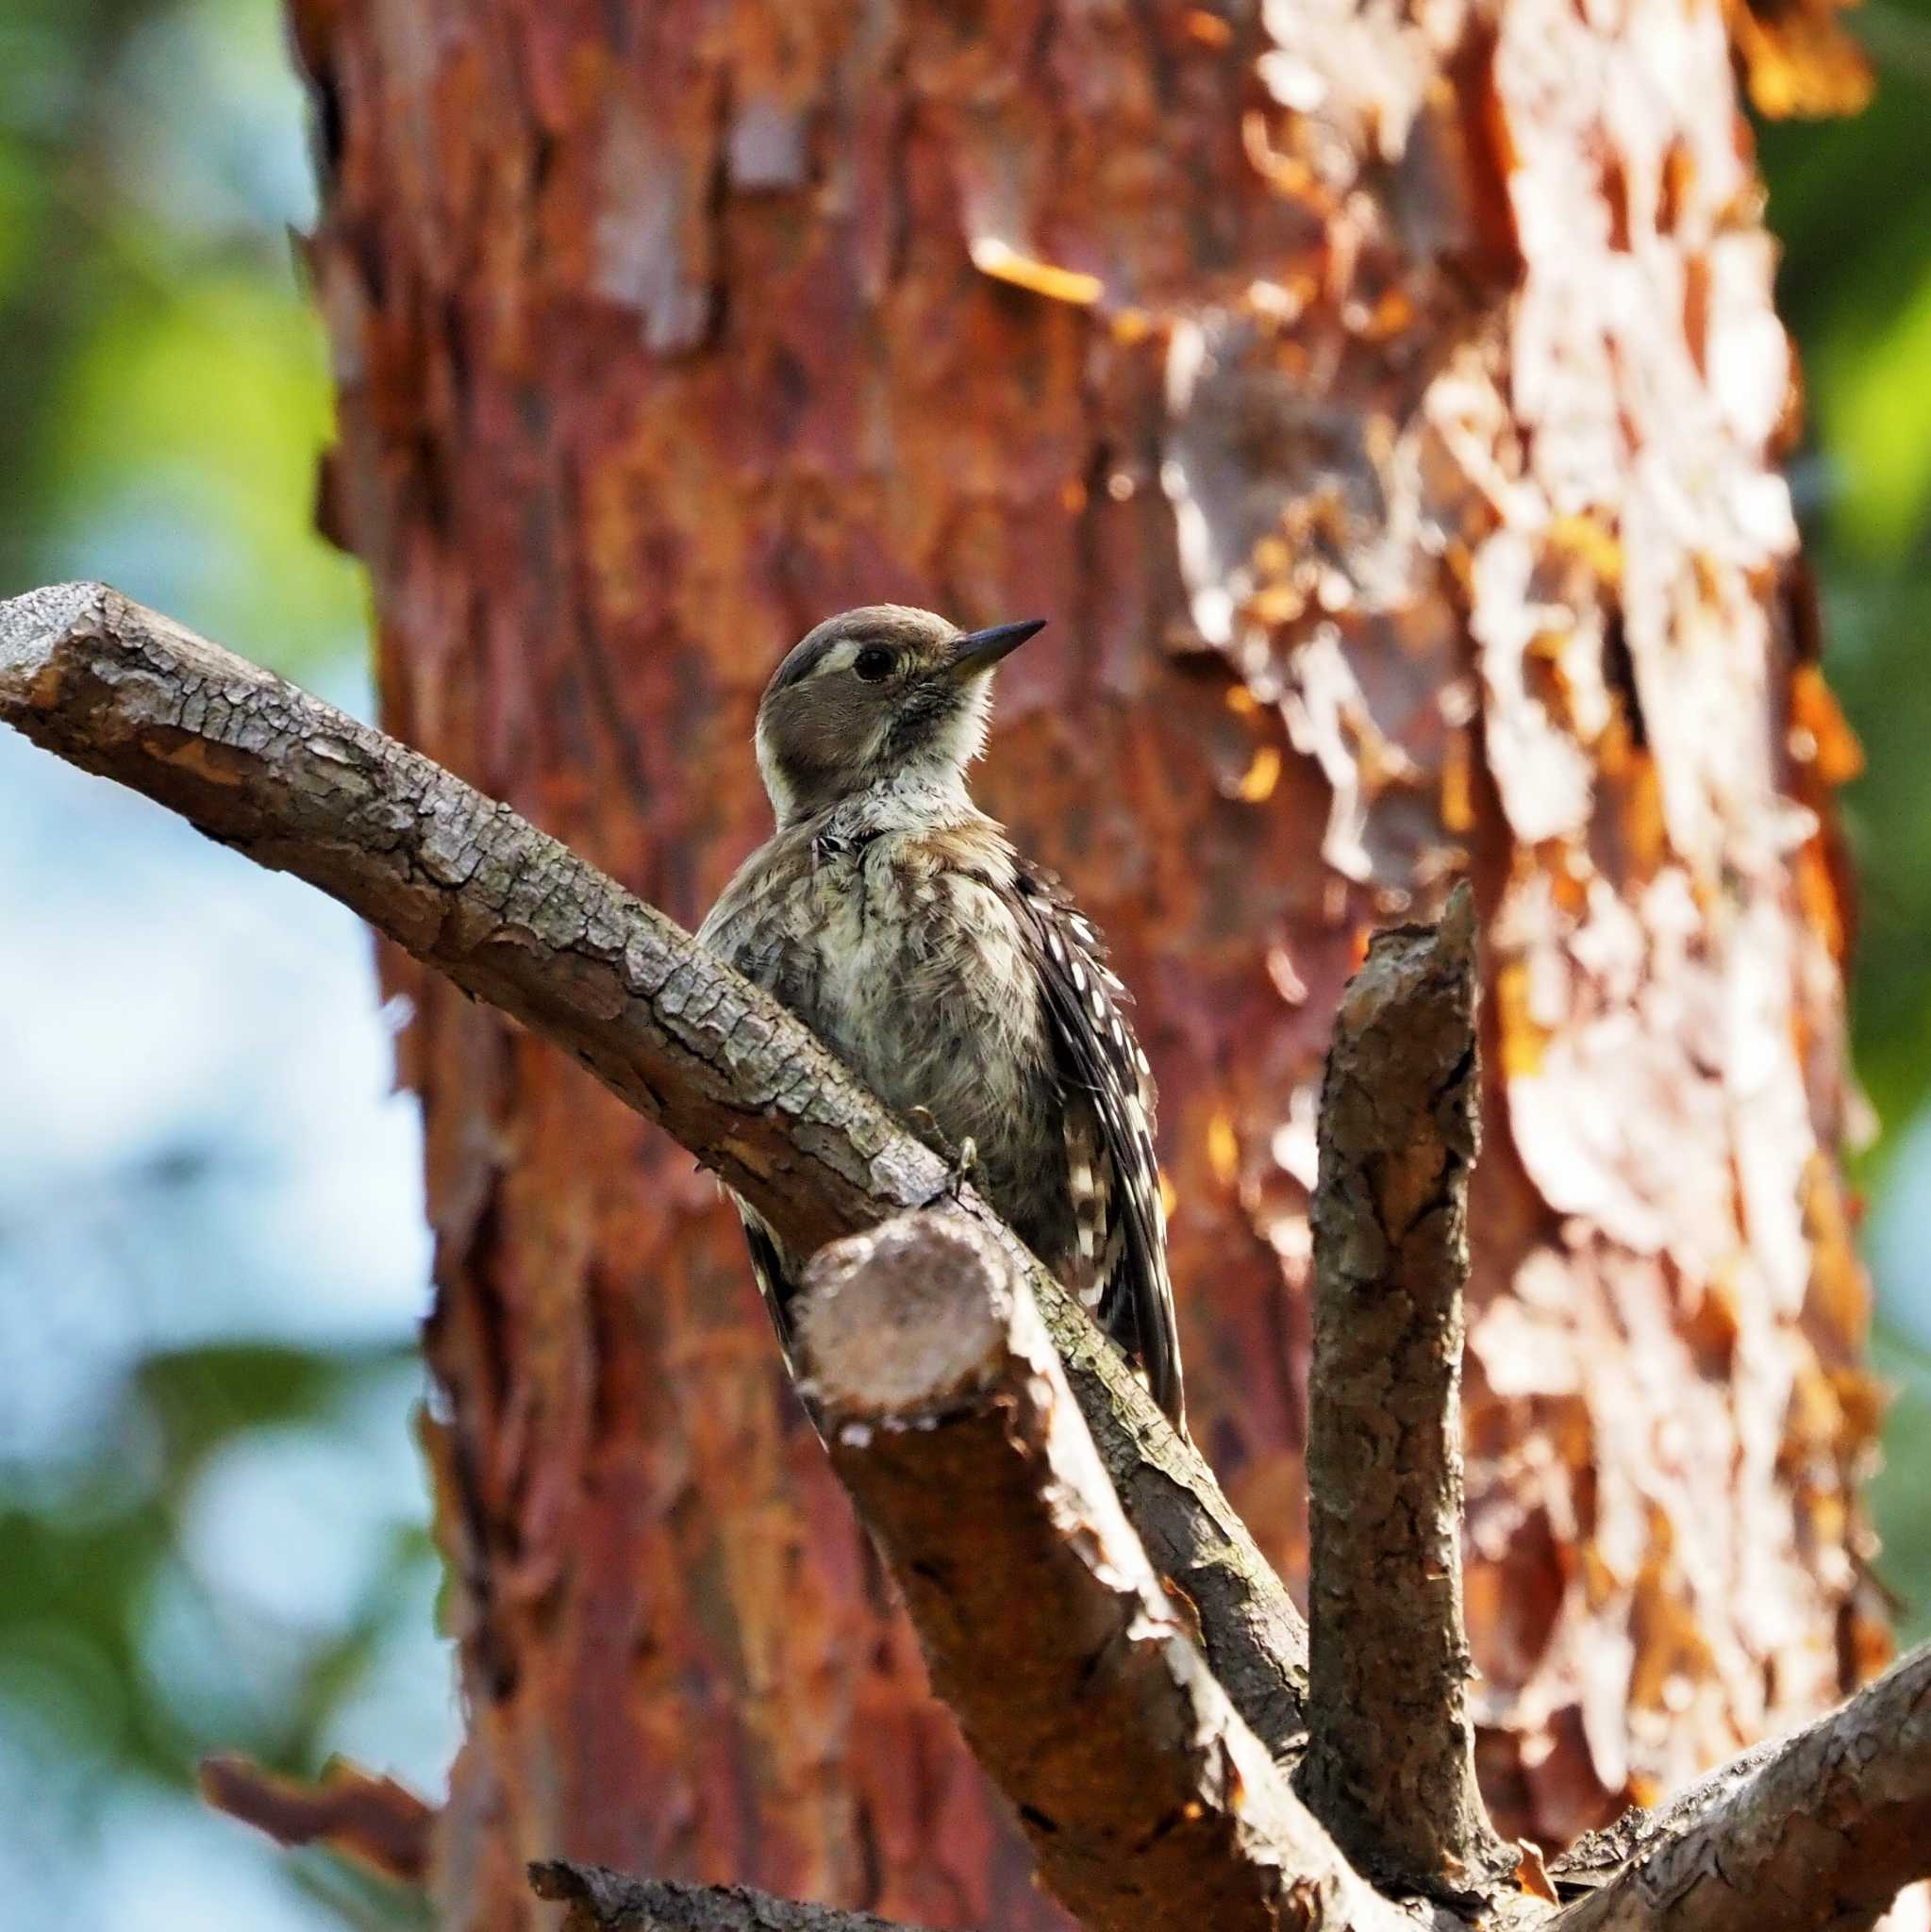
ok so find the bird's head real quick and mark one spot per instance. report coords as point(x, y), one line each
point(884, 691)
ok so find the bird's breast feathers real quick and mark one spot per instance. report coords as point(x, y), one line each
point(902, 949)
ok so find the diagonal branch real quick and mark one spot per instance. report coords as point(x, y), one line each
point(1392, 1763)
point(600, 1900)
point(1150, 1805)
point(514, 918)
point(1822, 1829)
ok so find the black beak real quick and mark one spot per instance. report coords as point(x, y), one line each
point(980, 650)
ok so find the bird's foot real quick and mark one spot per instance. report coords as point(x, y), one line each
point(965, 1163)
point(961, 1162)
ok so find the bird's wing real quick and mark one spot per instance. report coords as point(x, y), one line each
point(744, 931)
point(1110, 1155)
point(768, 1266)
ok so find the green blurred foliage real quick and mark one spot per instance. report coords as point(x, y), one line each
point(1896, 1493)
point(165, 383)
point(163, 390)
point(1851, 202)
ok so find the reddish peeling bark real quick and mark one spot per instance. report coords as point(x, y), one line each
point(1384, 407)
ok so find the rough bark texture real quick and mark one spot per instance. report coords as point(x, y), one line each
point(1384, 404)
point(605, 1901)
point(1149, 1804)
point(1392, 1760)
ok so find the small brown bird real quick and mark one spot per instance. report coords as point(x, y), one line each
point(952, 976)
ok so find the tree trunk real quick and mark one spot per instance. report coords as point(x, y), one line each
point(1384, 411)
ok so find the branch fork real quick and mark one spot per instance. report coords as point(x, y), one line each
point(1030, 1499)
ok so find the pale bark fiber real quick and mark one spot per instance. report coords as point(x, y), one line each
point(1384, 406)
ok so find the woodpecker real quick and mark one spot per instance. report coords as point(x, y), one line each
point(953, 975)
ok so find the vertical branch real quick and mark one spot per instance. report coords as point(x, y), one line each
point(1391, 1765)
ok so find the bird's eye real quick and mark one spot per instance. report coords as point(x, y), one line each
point(874, 662)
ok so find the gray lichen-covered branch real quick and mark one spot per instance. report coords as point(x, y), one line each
point(1150, 1805)
point(1391, 1757)
point(1821, 1829)
point(515, 917)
